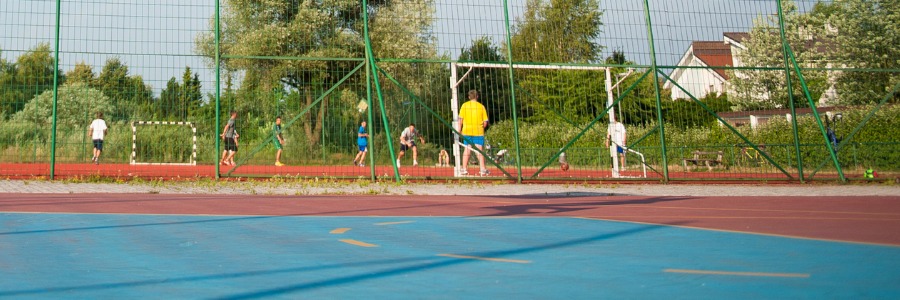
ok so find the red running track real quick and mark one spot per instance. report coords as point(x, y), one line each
point(26, 171)
point(853, 219)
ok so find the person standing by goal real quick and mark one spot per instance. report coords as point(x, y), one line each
point(97, 131)
point(473, 119)
point(229, 134)
point(279, 141)
point(617, 135)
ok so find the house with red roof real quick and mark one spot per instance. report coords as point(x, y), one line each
point(703, 67)
point(699, 74)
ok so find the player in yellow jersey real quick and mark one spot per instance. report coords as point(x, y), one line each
point(473, 119)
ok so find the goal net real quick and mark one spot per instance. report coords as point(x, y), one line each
point(604, 81)
point(163, 143)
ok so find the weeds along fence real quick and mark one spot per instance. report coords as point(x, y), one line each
point(780, 90)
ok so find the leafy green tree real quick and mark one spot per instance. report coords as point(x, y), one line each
point(9, 92)
point(491, 84)
point(179, 101)
point(867, 33)
point(318, 29)
point(559, 31)
point(572, 96)
point(564, 31)
point(168, 105)
point(764, 89)
point(32, 74)
point(76, 106)
point(130, 96)
point(81, 74)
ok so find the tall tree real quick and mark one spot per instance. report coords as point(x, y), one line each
point(564, 31)
point(180, 101)
point(31, 75)
point(559, 31)
point(130, 96)
point(492, 84)
point(331, 30)
point(168, 104)
point(867, 32)
point(9, 92)
point(81, 74)
point(765, 89)
point(191, 96)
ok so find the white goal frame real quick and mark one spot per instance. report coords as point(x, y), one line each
point(455, 81)
point(134, 126)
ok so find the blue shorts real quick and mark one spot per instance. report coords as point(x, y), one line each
point(473, 140)
point(619, 149)
point(98, 144)
point(362, 148)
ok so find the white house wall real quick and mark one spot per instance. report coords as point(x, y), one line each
point(697, 81)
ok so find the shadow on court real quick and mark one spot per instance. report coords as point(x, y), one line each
point(422, 264)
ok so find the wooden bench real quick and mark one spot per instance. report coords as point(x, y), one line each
point(709, 159)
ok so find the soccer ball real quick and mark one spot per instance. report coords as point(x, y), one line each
point(564, 166)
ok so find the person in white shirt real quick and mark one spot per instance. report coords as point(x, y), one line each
point(616, 134)
point(97, 131)
point(408, 141)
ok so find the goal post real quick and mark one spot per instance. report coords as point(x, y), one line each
point(456, 80)
point(134, 148)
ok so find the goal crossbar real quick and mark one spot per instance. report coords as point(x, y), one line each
point(134, 126)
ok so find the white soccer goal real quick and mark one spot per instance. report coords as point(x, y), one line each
point(134, 126)
point(455, 81)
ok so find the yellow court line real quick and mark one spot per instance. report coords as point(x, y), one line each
point(358, 243)
point(749, 217)
point(487, 258)
point(707, 272)
point(393, 223)
point(740, 232)
point(762, 210)
point(339, 230)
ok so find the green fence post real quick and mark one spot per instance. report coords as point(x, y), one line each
point(370, 124)
point(370, 60)
point(812, 105)
point(655, 70)
point(55, 95)
point(790, 90)
point(512, 92)
point(218, 96)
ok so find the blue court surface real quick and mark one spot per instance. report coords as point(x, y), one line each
point(111, 256)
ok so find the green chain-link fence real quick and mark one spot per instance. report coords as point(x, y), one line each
point(572, 89)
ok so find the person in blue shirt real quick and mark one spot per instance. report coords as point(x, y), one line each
point(362, 140)
point(279, 141)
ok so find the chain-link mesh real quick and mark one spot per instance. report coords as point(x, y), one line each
point(572, 89)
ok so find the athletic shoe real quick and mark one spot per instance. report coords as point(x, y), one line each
point(415, 163)
point(484, 173)
point(398, 163)
point(93, 159)
point(362, 165)
point(354, 162)
point(278, 164)
point(464, 173)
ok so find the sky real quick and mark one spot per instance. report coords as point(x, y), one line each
point(156, 38)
